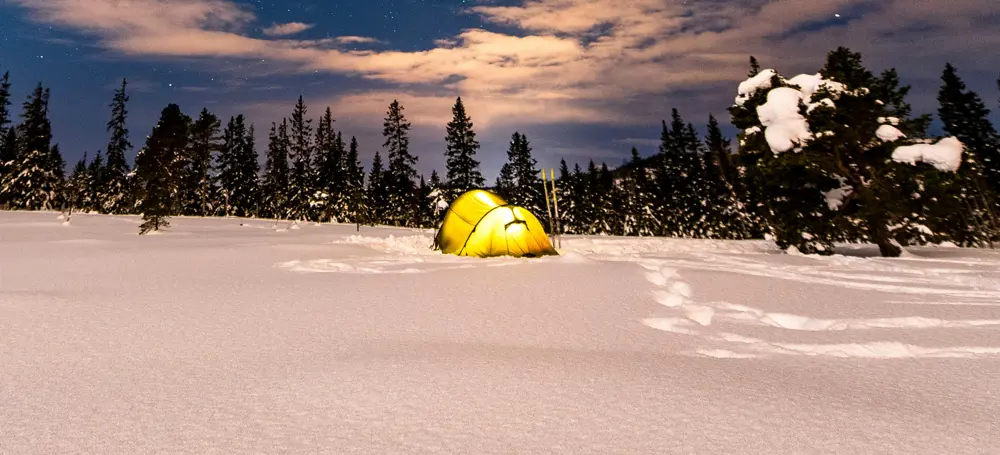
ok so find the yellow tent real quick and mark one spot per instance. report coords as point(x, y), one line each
point(480, 223)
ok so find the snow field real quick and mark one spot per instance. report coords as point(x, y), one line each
point(226, 335)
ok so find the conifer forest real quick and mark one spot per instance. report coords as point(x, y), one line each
point(834, 157)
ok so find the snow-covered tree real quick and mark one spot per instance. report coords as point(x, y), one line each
point(275, 182)
point(32, 183)
point(975, 218)
point(829, 160)
point(730, 219)
point(329, 169)
point(159, 166)
point(238, 168)
point(116, 192)
point(302, 176)
point(354, 204)
point(402, 175)
point(462, 168)
point(197, 179)
point(378, 191)
point(96, 184)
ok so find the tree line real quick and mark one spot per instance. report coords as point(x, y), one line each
point(837, 180)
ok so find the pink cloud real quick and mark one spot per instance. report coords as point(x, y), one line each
point(576, 54)
point(290, 28)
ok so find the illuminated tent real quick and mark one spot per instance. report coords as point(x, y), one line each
point(480, 223)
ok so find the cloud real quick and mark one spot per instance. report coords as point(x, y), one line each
point(356, 39)
point(580, 61)
point(290, 28)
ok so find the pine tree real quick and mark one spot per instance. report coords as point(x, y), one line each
point(8, 152)
point(328, 168)
point(276, 179)
point(35, 129)
point(403, 198)
point(839, 182)
point(34, 181)
point(158, 169)
point(726, 198)
point(425, 209)
point(8, 162)
point(355, 206)
point(238, 169)
point(97, 182)
point(639, 214)
point(117, 192)
point(32, 184)
point(77, 189)
point(506, 183)
point(438, 199)
point(976, 218)
point(754, 67)
point(566, 219)
point(378, 191)
point(198, 186)
point(462, 168)
point(302, 175)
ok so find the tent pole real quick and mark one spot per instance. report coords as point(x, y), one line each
point(548, 208)
point(555, 205)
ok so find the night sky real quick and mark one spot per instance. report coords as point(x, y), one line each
point(584, 79)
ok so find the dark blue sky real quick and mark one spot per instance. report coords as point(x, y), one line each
point(584, 79)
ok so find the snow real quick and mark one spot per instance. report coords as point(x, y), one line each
point(225, 335)
point(747, 88)
point(945, 155)
point(889, 133)
point(809, 84)
point(784, 126)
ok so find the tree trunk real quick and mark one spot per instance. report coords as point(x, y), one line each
point(879, 234)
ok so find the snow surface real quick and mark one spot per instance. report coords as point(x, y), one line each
point(238, 336)
point(945, 155)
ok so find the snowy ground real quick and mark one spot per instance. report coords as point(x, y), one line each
point(217, 337)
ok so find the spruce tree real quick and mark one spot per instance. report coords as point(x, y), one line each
point(976, 217)
point(726, 196)
point(529, 183)
point(159, 169)
point(565, 222)
point(32, 184)
point(302, 175)
point(8, 160)
point(275, 184)
point(401, 180)
point(463, 172)
point(34, 181)
point(97, 174)
point(78, 186)
point(238, 169)
point(506, 183)
point(837, 179)
point(378, 191)
point(639, 213)
point(4, 103)
point(438, 199)
point(8, 152)
point(35, 128)
point(754, 67)
point(355, 200)
point(328, 168)
point(198, 186)
point(117, 192)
